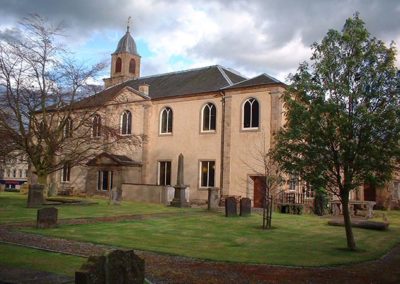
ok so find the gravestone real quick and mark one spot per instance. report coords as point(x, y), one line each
point(117, 266)
point(115, 196)
point(213, 198)
point(47, 218)
point(230, 206)
point(245, 207)
point(35, 195)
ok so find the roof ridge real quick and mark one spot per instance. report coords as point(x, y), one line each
point(233, 71)
point(230, 83)
point(269, 76)
point(162, 74)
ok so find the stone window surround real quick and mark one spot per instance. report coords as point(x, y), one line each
point(242, 127)
point(200, 173)
point(170, 119)
point(202, 118)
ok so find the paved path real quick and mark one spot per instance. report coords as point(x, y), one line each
point(162, 268)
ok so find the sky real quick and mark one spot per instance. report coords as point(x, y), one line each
point(249, 36)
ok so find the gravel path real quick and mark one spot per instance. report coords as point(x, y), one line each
point(174, 269)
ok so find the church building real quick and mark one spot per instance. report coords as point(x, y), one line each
point(218, 119)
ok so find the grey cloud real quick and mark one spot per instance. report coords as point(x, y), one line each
point(279, 20)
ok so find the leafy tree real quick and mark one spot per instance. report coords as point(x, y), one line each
point(342, 111)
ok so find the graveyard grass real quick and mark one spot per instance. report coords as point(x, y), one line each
point(304, 240)
point(16, 256)
point(13, 209)
point(294, 240)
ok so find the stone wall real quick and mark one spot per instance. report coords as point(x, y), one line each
point(147, 193)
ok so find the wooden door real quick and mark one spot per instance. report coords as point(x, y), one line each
point(258, 191)
point(369, 192)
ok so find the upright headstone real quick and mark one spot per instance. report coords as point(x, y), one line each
point(179, 196)
point(245, 207)
point(213, 198)
point(35, 195)
point(47, 218)
point(115, 196)
point(117, 266)
point(230, 206)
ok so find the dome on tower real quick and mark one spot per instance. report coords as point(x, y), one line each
point(126, 44)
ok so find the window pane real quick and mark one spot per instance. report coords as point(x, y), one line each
point(204, 174)
point(206, 118)
point(170, 120)
point(168, 174)
point(246, 114)
point(161, 180)
point(129, 130)
point(165, 173)
point(164, 121)
point(124, 122)
point(255, 114)
point(98, 180)
point(213, 117)
point(211, 174)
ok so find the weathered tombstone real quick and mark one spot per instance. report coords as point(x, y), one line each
point(115, 196)
point(47, 218)
point(179, 196)
point(213, 198)
point(117, 266)
point(245, 207)
point(230, 206)
point(35, 195)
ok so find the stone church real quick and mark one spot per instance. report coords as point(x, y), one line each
point(221, 121)
point(217, 118)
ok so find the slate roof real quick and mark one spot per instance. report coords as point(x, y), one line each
point(126, 44)
point(263, 79)
point(189, 82)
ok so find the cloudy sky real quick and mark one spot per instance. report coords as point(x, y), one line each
point(250, 36)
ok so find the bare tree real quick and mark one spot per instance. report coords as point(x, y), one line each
point(42, 100)
point(264, 165)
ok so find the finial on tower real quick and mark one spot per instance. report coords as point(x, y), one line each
point(128, 25)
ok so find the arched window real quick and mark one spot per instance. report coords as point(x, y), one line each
point(166, 118)
point(68, 128)
point(126, 122)
point(132, 66)
point(96, 126)
point(251, 113)
point(208, 120)
point(118, 65)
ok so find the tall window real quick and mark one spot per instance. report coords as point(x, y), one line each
point(118, 65)
point(132, 66)
point(105, 180)
point(68, 128)
point(164, 173)
point(207, 173)
point(66, 171)
point(166, 120)
point(126, 123)
point(208, 113)
point(96, 126)
point(250, 113)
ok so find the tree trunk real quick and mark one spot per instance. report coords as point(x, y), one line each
point(42, 179)
point(351, 244)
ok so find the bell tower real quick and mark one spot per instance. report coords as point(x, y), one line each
point(125, 61)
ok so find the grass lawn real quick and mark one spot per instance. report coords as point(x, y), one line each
point(295, 240)
point(16, 256)
point(13, 209)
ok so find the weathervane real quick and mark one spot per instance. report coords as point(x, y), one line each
point(128, 25)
